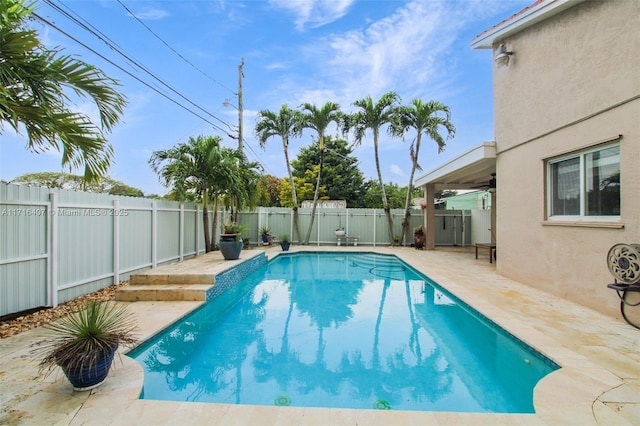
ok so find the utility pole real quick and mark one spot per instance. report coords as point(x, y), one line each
point(240, 76)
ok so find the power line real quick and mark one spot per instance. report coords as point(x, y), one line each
point(172, 49)
point(126, 72)
point(258, 158)
point(112, 45)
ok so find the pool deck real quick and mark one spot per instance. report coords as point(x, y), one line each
point(599, 382)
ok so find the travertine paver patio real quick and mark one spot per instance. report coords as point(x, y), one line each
point(599, 382)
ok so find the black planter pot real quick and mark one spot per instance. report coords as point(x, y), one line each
point(230, 246)
point(90, 376)
point(285, 246)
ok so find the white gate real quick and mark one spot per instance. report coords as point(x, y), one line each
point(480, 226)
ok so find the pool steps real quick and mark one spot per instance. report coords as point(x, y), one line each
point(197, 279)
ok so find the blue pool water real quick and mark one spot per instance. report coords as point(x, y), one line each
point(350, 330)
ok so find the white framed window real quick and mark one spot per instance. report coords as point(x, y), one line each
point(585, 185)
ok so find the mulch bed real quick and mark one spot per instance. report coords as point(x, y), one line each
point(11, 327)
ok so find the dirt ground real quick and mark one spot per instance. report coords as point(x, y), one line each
point(36, 319)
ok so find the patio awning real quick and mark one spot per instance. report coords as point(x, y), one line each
point(470, 170)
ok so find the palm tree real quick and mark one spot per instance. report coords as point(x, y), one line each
point(237, 180)
point(197, 166)
point(373, 116)
point(35, 82)
point(283, 124)
point(428, 118)
point(319, 120)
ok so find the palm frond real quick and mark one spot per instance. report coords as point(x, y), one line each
point(36, 83)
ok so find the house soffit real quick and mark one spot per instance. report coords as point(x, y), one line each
point(469, 170)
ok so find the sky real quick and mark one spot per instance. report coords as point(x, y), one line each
point(294, 51)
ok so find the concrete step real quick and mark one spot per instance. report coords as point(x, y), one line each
point(170, 279)
point(187, 280)
point(163, 292)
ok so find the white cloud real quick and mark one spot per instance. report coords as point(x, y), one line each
point(398, 171)
point(408, 45)
point(317, 96)
point(412, 46)
point(417, 45)
point(314, 13)
point(277, 66)
point(152, 14)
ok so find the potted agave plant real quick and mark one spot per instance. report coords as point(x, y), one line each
point(231, 240)
point(84, 343)
point(285, 243)
point(265, 233)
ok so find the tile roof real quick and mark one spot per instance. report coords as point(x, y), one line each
point(536, 3)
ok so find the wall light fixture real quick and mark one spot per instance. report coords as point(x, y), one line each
point(502, 56)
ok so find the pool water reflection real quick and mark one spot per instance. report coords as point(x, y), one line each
point(354, 330)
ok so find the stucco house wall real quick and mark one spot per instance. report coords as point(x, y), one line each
point(572, 82)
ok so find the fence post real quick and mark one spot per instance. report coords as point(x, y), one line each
point(318, 228)
point(464, 228)
point(154, 236)
point(116, 242)
point(181, 231)
point(375, 216)
point(346, 220)
point(197, 229)
point(52, 264)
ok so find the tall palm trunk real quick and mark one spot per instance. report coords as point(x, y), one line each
point(205, 222)
point(294, 196)
point(215, 221)
point(318, 120)
point(407, 214)
point(385, 202)
point(317, 192)
point(424, 118)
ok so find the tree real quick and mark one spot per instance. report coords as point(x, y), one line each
point(395, 195)
point(271, 189)
point(61, 180)
point(304, 187)
point(319, 120)
point(283, 124)
point(374, 116)
point(200, 166)
point(341, 178)
point(36, 84)
point(239, 184)
point(424, 117)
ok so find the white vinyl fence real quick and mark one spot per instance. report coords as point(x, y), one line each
point(370, 225)
point(56, 245)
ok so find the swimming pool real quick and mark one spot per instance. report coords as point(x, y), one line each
point(342, 330)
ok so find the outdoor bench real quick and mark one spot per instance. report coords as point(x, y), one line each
point(490, 246)
point(346, 239)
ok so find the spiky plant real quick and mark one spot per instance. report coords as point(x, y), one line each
point(79, 339)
